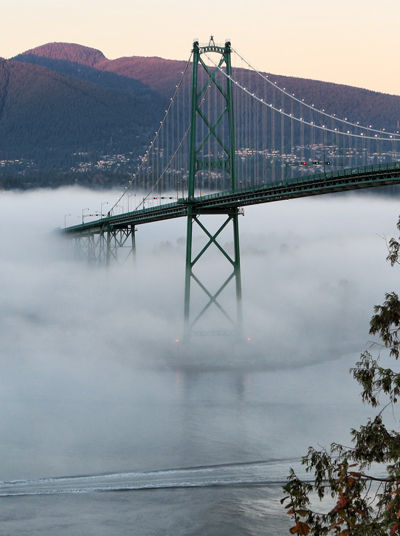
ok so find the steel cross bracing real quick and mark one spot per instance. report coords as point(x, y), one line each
point(199, 113)
point(235, 323)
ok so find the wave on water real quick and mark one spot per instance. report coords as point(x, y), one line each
point(247, 474)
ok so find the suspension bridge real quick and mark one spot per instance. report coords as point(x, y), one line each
point(232, 137)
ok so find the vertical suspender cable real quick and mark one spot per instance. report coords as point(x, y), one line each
point(283, 156)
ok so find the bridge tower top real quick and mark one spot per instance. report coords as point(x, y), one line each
point(211, 124)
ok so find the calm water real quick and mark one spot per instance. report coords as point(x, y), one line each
point(186, 452)
point(152, 441)
point(178, 512)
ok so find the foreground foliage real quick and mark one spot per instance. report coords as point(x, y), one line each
point(362, 480)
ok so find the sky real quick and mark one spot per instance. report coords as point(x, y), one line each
point(351, 42)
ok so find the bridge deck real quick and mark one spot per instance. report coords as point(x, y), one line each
point(337, 181)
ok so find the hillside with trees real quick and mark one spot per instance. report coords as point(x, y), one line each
point(68, 112)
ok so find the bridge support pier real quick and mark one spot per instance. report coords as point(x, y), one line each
point(235, 321)
point(118, 239)
point(104, 246)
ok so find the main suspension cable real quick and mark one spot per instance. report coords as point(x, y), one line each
point(312, 107)
point(300, 119)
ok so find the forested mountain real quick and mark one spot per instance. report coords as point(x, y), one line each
point(43, 111)
point(65, 105)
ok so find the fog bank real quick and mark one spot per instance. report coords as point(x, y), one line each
point(91, 380)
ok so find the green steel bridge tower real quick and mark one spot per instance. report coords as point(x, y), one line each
point(225, 163)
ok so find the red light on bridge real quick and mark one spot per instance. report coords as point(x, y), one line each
point(304, 163)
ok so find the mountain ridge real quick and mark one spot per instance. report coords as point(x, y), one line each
point(157, 73)
point(68, 51)
point(161, 76)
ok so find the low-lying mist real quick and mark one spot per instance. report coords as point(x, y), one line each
point(92, 379)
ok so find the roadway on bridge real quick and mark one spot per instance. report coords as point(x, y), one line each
point(223, 202)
